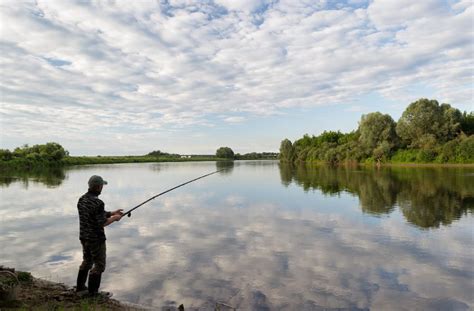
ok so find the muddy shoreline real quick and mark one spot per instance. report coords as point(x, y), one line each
point(27, 292)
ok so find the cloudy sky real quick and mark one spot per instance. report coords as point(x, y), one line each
point(128, 77)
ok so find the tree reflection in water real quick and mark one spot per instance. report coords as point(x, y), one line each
point(225, 167)
point(51, 177)
point(428, 197)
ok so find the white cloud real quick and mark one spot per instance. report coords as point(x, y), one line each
point(145, 66)
point(234, 119)
point(398, 13)
point(243, 5)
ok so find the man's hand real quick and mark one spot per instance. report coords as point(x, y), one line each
point(112, 219)
point(118, 212)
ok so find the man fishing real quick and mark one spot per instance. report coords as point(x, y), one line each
point(92, 220)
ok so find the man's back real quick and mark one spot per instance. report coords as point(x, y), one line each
point(91, 217)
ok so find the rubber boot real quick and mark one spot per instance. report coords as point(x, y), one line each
point(81, 280)
point(94, 284)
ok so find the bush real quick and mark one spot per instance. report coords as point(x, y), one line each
point(382, 152)
point(331, 156)
point(465, 152)
point(426, 156)
point(405, 156)
point(448, 152)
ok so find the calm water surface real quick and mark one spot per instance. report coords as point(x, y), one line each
point(259, 236)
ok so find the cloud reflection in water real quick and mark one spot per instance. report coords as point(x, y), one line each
point(244, 239)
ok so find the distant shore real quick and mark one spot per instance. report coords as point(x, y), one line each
point(82, 160)
point(86, 160)
point(25, 164)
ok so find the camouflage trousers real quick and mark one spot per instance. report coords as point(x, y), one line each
point(93, 256)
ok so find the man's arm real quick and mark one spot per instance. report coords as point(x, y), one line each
point(106, 218)
point(112, 219)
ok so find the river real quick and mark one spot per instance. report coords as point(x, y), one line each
point(258, 236)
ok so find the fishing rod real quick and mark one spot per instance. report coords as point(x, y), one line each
point(166, 191)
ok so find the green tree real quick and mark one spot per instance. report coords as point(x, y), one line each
point(377, 132)
point(225, 153)
point(465, 153)
point(451, 122)
point(330, 137)
point(51, 151)
point(426, 132)
point(287, 152)
point(5, 155)
point(467, 123)
point(304, 142)
point(427, 117)
point(160, 154)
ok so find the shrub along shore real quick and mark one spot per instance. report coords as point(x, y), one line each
point(427, 132)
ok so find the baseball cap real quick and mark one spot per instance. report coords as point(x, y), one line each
point(96, 180)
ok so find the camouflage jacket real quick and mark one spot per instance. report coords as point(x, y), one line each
point(92, 217)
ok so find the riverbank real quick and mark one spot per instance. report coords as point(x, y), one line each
point(396, 164)
point(83, 160)
point(21, 290)
point(29, 164)
point(385, 164)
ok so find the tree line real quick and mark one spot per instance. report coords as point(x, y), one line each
point(52, 155)
point(228, 153)
point(427, 132)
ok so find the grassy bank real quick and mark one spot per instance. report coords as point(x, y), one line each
point(83, 160)
point(383, 164)
point(32, 164)
point(21, 291)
